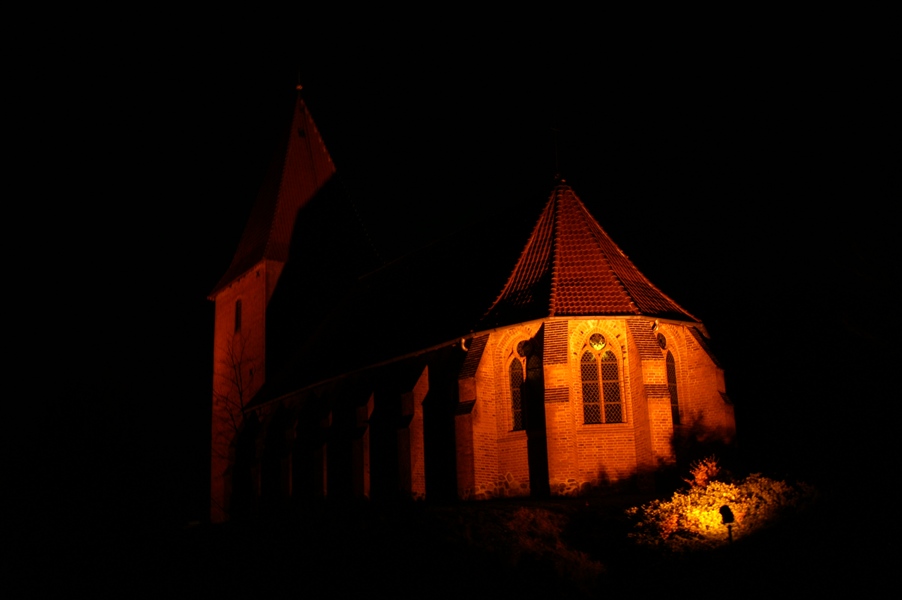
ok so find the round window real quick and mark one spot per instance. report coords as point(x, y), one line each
point(596, 340)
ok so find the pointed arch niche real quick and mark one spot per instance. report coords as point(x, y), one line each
point(670, 339)
point(672, 388)
point(515, 358)
point(516, 379)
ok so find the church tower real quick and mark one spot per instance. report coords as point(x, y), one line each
point(300, 170)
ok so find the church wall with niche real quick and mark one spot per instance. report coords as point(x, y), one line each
point(606, 450)
point(500, 453)
point(701, 382)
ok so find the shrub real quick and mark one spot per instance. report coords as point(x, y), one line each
point(691, 520)
point(703, 471)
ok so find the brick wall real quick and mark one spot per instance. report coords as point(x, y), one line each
point(411, 446)
point(582, 456)
point(239, 370)
point(637, 341)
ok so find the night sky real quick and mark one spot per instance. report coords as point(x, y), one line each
point(747, 180)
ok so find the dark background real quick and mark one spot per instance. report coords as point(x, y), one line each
point(747, 175)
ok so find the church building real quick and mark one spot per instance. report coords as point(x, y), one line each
point(333, 379)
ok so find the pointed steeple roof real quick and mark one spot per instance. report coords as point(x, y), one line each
point(571, 267)
point(302, 167)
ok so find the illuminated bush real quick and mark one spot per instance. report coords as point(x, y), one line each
point(703, 471)
point(691, 520)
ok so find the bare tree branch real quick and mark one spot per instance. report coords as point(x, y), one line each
point(233, 387)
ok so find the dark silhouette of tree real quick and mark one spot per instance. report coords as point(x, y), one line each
point(236, 378)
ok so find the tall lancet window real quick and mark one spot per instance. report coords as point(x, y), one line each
point(600, 374)
point(237, 316)
point(672, 387)
point(516, 377)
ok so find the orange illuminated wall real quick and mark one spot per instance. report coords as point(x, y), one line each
point(492, 455)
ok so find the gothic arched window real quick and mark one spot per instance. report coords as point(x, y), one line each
point(672, 388)
point(516, 379)
point(600, 374)
point(237, 316)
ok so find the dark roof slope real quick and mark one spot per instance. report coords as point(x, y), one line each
point(337, 308)
point(326, 319)
point(305, 166)
point(571, 267)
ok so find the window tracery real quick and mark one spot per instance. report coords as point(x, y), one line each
point(600, 375)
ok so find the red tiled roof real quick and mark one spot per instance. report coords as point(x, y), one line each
point(305, 168)
point(571, 267)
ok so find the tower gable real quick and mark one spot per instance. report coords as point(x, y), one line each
point(302, 167)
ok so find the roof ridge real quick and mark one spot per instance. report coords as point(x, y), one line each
point(556, 194)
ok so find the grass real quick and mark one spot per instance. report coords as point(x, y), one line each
point(568, 548)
